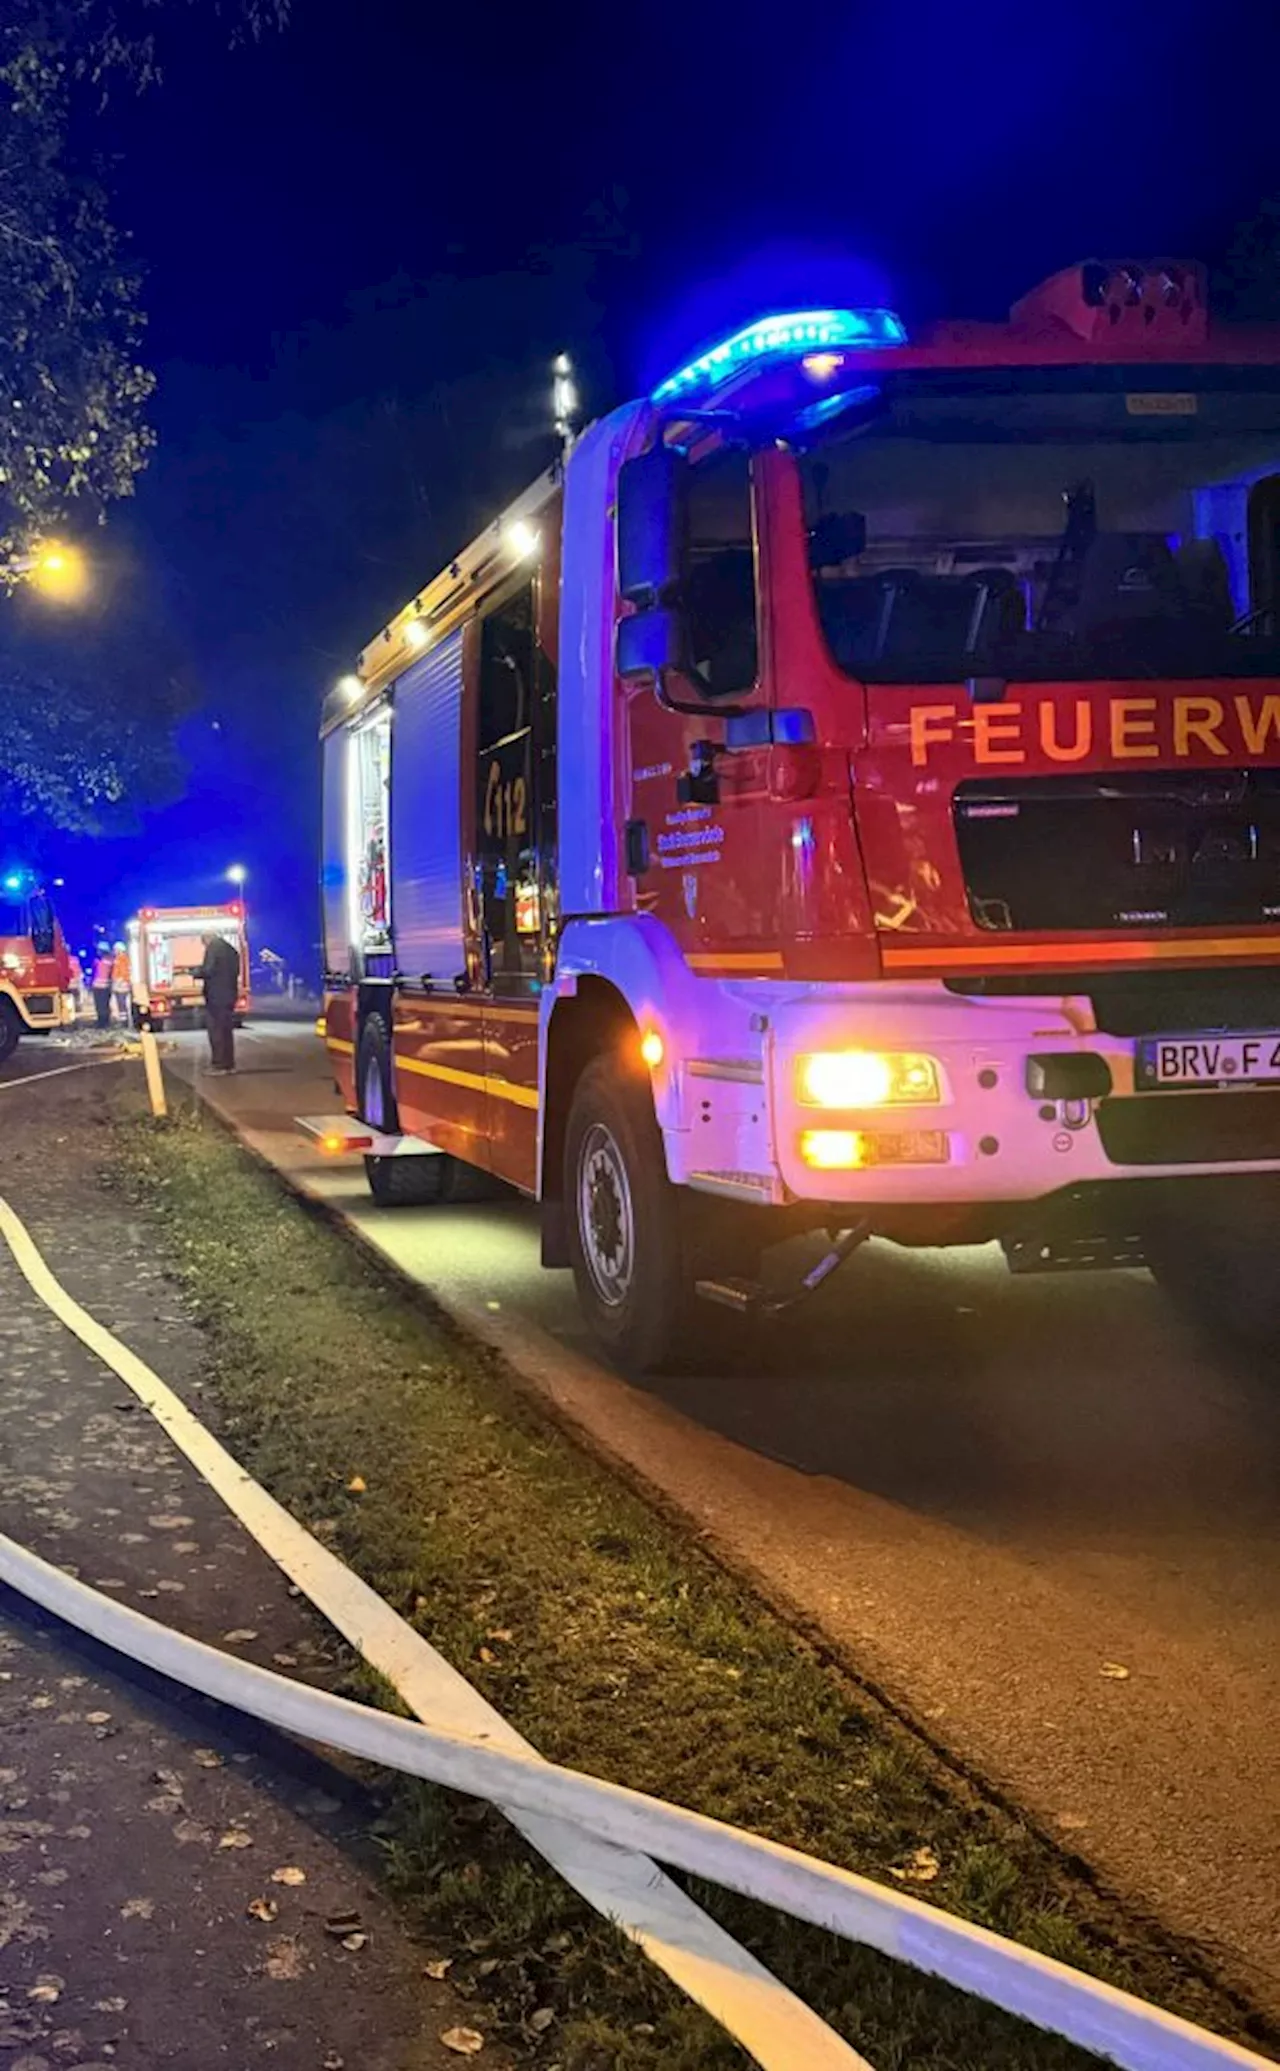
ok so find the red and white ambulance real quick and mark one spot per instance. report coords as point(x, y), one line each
point(35, 963)
point(845, 796)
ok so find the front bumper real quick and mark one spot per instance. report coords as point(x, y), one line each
point(1002, 1143)
point(36, 1010)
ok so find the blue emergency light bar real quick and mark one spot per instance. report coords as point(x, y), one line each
point(781, 337)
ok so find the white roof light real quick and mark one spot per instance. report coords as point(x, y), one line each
point(521, 538)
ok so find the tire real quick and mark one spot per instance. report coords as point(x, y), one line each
point(10, 1029)
point(375, 1093)
point(403, 1182)
point(625, 1225)
point(1220, 1267)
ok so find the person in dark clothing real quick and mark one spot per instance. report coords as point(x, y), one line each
point(220, 973)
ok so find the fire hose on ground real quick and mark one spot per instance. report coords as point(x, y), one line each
point(601, 1836)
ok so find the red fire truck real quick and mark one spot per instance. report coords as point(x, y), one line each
point(35, 964)
point(166, 949)
point(845, 797)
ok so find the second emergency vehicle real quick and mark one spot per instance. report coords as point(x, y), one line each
point(166, 949)
point(35, 963)
point(845, 796)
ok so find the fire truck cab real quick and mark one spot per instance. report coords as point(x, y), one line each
point(846, 796)
point(35, 965)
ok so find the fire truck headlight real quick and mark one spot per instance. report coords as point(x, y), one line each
point(10, 961)
point(832, 1150)
point(866, 1078)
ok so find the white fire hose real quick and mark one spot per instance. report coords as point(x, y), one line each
point(583, 1824)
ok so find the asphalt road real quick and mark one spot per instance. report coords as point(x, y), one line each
point(1040, 1514)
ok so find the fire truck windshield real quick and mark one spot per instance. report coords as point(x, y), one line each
point(1019, 523)
point(14, 916)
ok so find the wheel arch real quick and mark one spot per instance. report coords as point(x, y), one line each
point(596, 1016)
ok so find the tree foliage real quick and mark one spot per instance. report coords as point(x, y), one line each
point(86, 736)
point(77, 760)
point(73, 434)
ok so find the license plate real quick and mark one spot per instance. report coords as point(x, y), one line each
point(1229, 1060)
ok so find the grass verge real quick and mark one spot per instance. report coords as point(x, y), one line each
point(613, 1642)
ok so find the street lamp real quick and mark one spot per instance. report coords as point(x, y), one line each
point(237, 874)
point(58, 571)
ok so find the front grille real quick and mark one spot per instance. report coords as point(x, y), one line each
point(1151, 1002)
point(41, 1004)
point(1190, 1128)
point(1163, 849)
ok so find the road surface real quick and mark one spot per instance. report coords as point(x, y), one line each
point(1041, 1515)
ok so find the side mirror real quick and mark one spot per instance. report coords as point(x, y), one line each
point(653, 512)
point(651, 642)
point(42, 930)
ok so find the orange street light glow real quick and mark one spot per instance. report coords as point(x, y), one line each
point(60, 572)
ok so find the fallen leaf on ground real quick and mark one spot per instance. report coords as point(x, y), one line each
point(438, 1969)
point(235, 1837)
point(354, 1942)
point(464, 2042)
point(97, 1718)
point(207, 1758)
point(288, 1875)
point(138, 1909)
point(47, 1989)
point(284, 1959)
point(542, 2019)
point(241, 1633)
point(501, 1634)
point(285, 1660)
point(340, 1925)
point(1115, 1671)
point(262, 1909)
point(921, 1867)
point(357, 1485)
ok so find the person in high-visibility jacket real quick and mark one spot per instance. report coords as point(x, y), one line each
point(100, 982)
point(121, 983)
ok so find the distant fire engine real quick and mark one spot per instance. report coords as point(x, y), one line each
point(166, 947)
point(845, 797)
point(35, 963)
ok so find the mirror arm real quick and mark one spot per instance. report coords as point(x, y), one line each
point(689, 708)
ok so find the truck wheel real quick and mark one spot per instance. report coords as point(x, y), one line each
point(624, 1222)
point(10, 1029)
point(375, 1094)
point(1220, 1271)
point(404, 1182)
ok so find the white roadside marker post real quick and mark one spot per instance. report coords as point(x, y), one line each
point(147, 1034)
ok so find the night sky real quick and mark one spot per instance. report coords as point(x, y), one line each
point(365, 240)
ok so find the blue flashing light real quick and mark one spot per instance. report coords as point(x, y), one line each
point(780, 337)
point(14, 881)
